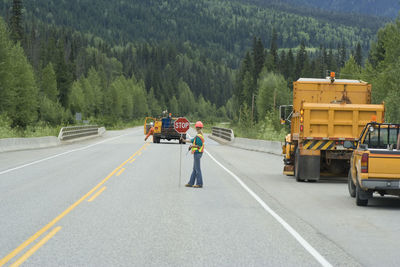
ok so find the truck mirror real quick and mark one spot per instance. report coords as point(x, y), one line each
point(371, 129)
point(282, 113)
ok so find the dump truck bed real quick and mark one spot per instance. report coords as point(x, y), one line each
point(335, 121)
point(307, 90)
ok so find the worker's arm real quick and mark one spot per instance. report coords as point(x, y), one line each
point(186, 140)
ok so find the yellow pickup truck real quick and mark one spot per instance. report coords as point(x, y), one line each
point(375, 162)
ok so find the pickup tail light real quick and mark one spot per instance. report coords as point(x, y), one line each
point(364, 163)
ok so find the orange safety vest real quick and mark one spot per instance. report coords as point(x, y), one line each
point(194, 149)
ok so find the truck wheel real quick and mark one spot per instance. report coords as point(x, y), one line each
point(360, 196)
point(154, 139)
point(296, 166)
point(351, 185)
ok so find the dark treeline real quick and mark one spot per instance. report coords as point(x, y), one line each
point(50, 73)
point(221, 30)
point(339, 9)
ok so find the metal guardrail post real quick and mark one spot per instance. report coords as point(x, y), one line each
point(223, 133)
point(72, 132)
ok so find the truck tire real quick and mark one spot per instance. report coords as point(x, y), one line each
point(351, 185)
point(296, 166)
point(361, 199)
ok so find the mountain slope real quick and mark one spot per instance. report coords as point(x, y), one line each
point(381, 8)
point(224, 29)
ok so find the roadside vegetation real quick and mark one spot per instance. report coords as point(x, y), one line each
point(50, 72)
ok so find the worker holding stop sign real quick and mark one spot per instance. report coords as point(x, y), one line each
point(197, 148)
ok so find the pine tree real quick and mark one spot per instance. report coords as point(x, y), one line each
point(17, 31)
point(7, 92)
point(351, 70)
point(301, 60)
point(358, 55)
point(25, 88)
point(49, 83)
point(290, 66)
point(64, 76)
point(258, 57)
point(273, 51)
point(342, 55)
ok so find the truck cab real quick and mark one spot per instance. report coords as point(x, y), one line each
point(375, 163)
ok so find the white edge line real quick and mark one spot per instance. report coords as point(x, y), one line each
point(61, 154)
point(285, 225)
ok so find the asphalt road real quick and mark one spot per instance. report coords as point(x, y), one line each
point(118, 201)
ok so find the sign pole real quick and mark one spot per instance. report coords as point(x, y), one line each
point(181, 125)
point(180, 162)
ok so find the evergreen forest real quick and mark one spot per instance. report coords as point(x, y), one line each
point(116, 62)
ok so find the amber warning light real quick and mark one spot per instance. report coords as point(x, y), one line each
point(332, 74)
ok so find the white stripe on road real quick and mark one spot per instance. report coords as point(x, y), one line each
point(61, 154)
point(290, 229)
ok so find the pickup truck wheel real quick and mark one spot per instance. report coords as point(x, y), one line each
point(359, 193)
point(351, 185)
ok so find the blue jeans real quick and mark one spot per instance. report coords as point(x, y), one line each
point(196, 174)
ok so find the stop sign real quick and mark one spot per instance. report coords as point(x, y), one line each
point(181, 125)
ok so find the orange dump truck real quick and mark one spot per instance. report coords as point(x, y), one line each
point(326, 114)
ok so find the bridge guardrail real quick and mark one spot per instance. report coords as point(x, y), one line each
point(223, 133)
point(71, 132)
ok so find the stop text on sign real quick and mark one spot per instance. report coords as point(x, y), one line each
point(181, 125)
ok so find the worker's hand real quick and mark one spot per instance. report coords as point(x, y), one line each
point(145, 139)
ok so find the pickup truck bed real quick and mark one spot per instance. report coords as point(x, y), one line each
point(375, 163)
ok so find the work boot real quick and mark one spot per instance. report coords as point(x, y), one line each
point(198, 186)
point(188, 185)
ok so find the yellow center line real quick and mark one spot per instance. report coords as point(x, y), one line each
point(98, 193)
point(121, 171)
point(132, 160)
point(59, 217)
point(35, 247)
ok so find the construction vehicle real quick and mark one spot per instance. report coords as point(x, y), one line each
point(163, 128)
point(325, 115)
point(374, 165)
